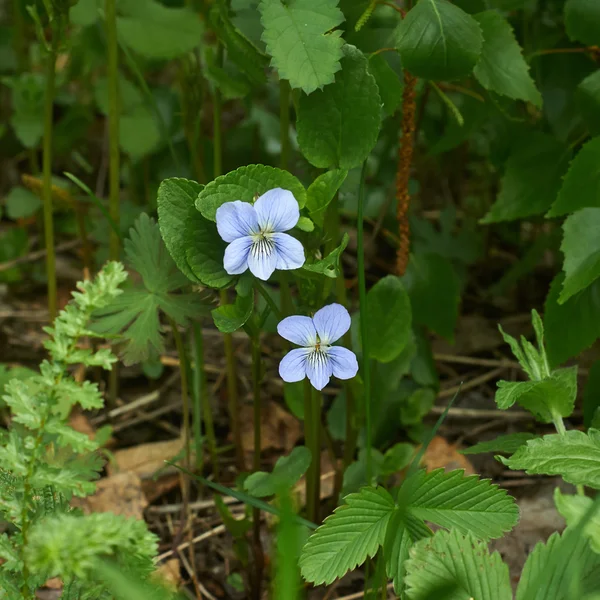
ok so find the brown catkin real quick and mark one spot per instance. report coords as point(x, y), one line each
point(405, 152)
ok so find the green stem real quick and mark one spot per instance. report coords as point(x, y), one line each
point(287, 304)
point(308, 442)
point(19, 41)
point(284, 122)
point(263, 292)
point(183, 371)
point(47, 181)
point(316, 450)
point(217, 124)
point(559, 424)
point(364, 333)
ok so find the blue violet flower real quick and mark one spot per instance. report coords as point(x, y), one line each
point(317, 359)
point(255, 234)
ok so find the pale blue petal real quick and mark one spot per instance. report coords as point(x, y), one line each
point(235, 260)
point(318, 369)
point(277, 210)
point(290, 252)
point(343, 362)
point(235, 220)
point(332, 322)
point(262, 259)
point(299, 330)
point(292, 367)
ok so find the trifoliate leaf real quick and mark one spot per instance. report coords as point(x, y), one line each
point(581, 184)
point(299, 37)
point(434, 292)
point(588, 100)
point(452, 565)
point(468, 504)
point(347, 537)
point(573, 325)
point(507, 444)
point(575, 456)
point(193, 241)
point(389, 83)
point(156, 31)
point(286, 472)
point(438, 40)
point(389, 318)
point(321, 192)
point(245, 184)
point(551, 568)
point(328, 266)
point(573, 508)
point(230, 317)
point(21, 203)
point(582, 21)
point(531, 180)
point(338, 126)
point(502, 68)
point(581, 247)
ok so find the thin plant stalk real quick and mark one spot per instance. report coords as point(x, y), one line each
point(311, 440)
point(363, 309)
point(315, 415)
point(183, 371)
point(284, 123)
point(47, 180)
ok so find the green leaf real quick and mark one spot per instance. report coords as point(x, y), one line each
point(21, 203)
point(573, 508)
point(305, 224)
point(193, 241)
point(434, 293)
point(129, 95)
point(502, 68)
point(588, 100)
point(139, 132)
point(417, 405)
point(575, 456)
point(321, 192)
point(230, 317)
point(449, 561)
point(28, 108)
point(572, 326)
point(299, 37)
point(397, 458)
point(455, 501)
point(553, 567)
point(389, 83)
point(84, 13)
point(532, 179)
point(156, 31)
point(338, 126)
point(581, 185)
point(390, 318)
point(439, 41)
point(286, 472)
point(347, 537)
point(546, 398)
point(591, 395)
point(507, 444)
point(582, 21)
point(245, 184)
point(581, 247)
point(328, 266)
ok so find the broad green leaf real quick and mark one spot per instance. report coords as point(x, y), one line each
point(591, 395)
point(305, 224)
point(230, 317)
point(507, 444)
point(551, 568)
point(588, 100)
point(573, 508)
point(456, 563)
point(572, 326)
point(390, 84)
point(417, 405)
point(299, 37)
point(545, 398)
point(438, 40)
point(575, 456)
point(321, 192)
point(581, 185)
point(139, 132)
point(502, 68)
point(28, 108)
point(129, 95)
point(389, 319)
point(347, 537)
point(229, 81)
point(434, 293)
point(156, 31)
point(84, 13)
point(338, 126)
point(328, 266)
point(355, 475)
point(21, 203)
point(286, 472)
point(581, 248)
point(532, 179)
point(245, 184)
point(193, 241)
point(582, 21)
point(397, 458)
point(465, 503)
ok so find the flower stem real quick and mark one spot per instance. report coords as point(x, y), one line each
point(316, 450)
point(308, 442)
point(183, 371)
point(284, 122)
point(263, 292)
point(364, 332)
point(47, 180)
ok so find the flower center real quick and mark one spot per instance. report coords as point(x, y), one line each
point(262, 243)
